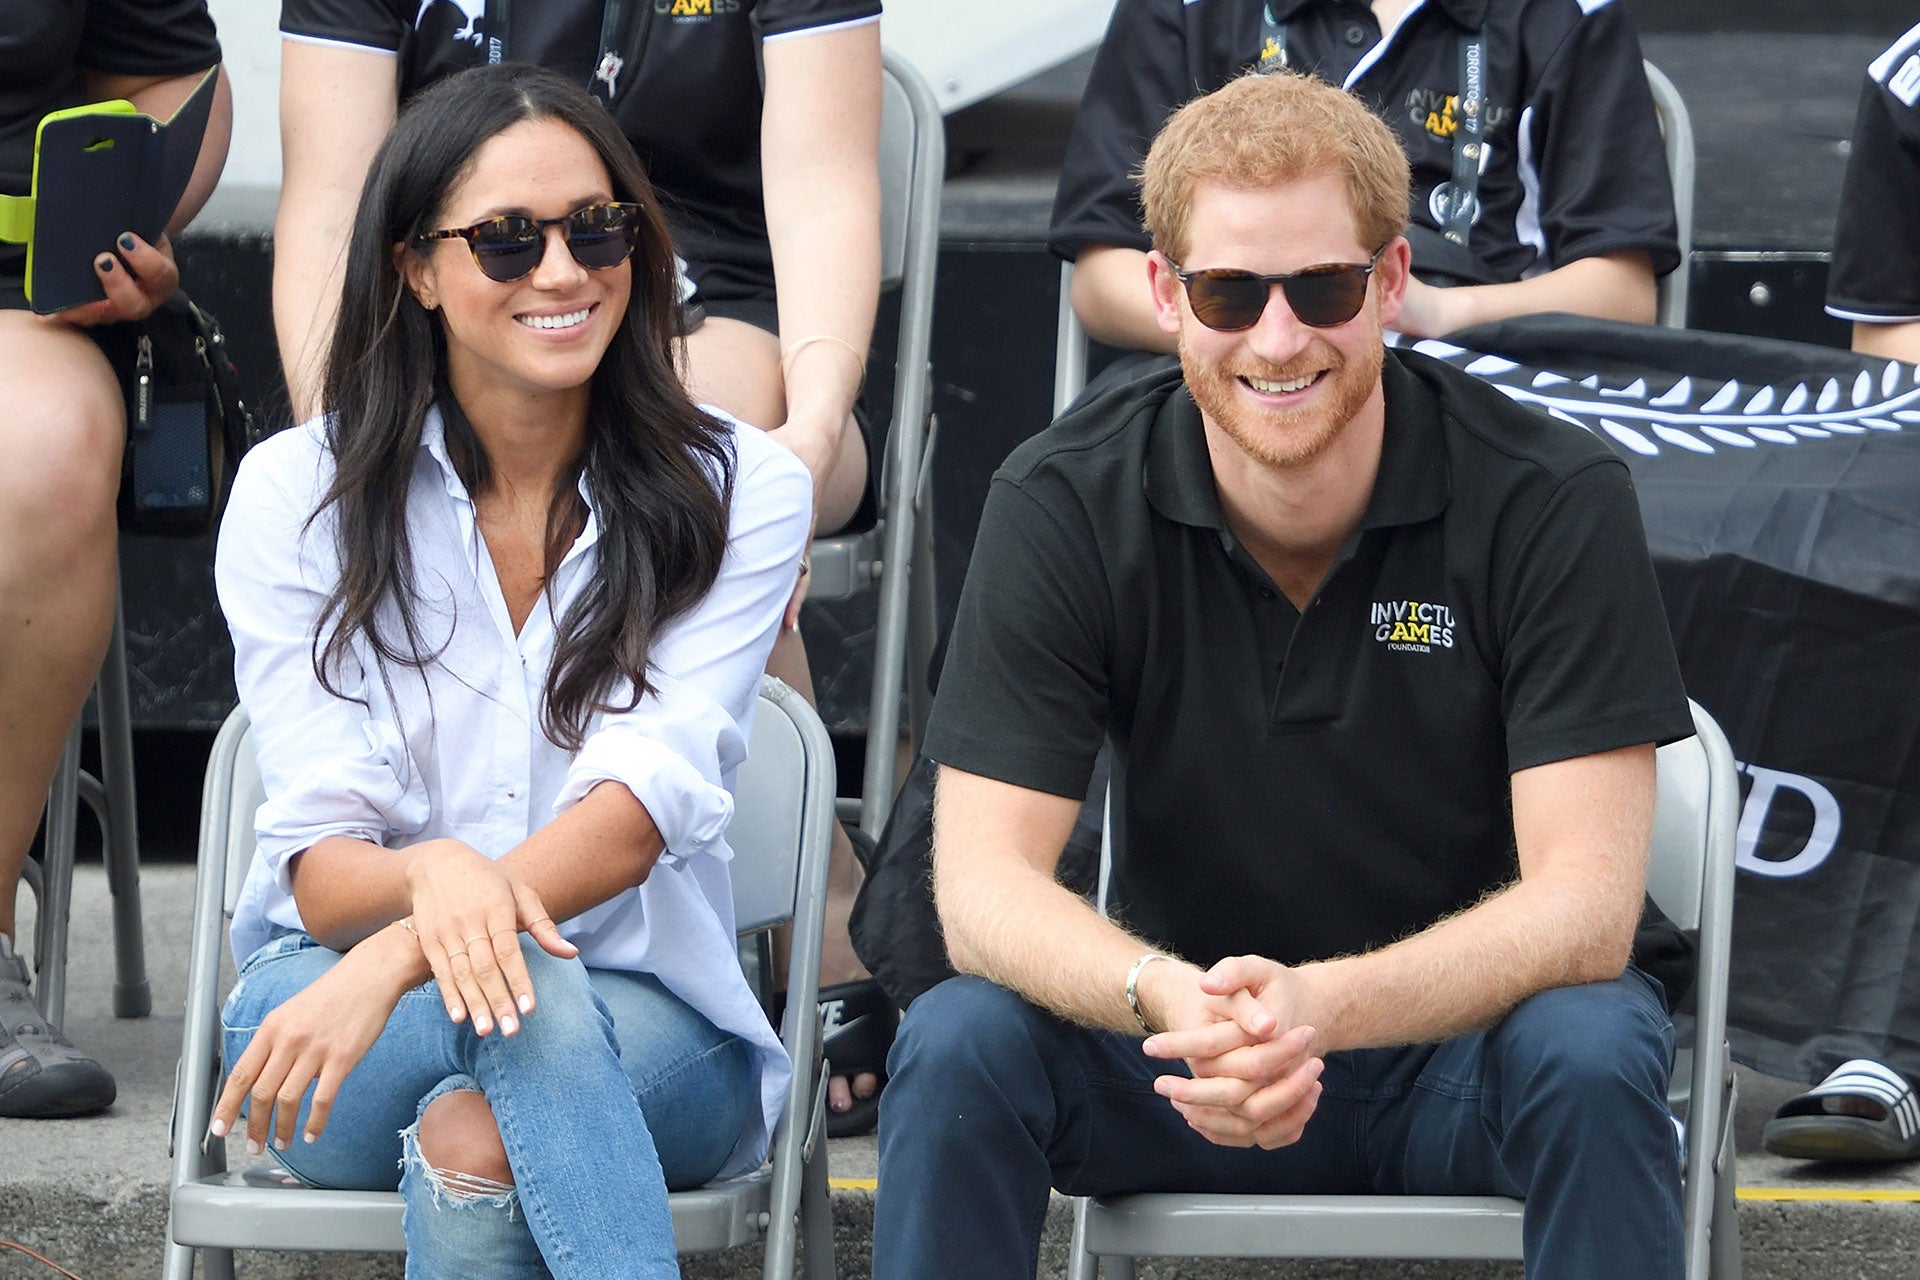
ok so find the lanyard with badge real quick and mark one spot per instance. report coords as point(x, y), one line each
point(1462, 203)
point(623, 30)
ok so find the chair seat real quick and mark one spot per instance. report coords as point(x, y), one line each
point(1225, 1226)
point(255, 1209)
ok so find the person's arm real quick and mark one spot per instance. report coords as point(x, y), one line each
point(1140, 74)
point(1893, 341)
point(1114, 300)
point(1608, 286)
point(1006, 919)
point(820, 168)
point(336, 104)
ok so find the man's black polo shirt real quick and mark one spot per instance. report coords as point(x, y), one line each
point(1876, 243)
point(1304, 786)
point(1575, 166)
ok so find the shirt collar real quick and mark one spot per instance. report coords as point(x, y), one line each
point(433, 441)
point(1470, 15)
point(1412, 485)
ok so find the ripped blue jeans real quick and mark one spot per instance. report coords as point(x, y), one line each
point(612, 1092)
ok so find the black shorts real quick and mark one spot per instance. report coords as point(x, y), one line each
point(115, 340)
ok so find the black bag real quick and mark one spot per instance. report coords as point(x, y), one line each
point(894, 927)
point(186, 423)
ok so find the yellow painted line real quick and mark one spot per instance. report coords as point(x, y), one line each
point(1907, 1195)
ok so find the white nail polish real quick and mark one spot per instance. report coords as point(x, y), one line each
point(254, 1147)
point(218, 1128)
point(526, 1004)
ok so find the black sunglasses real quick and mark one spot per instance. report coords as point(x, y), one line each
point(1322, 296)
point(508, 248)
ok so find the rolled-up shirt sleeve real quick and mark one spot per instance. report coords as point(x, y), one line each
point(329, 768)
point(677, 750)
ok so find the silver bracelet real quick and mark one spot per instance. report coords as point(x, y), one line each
point(1133, 987)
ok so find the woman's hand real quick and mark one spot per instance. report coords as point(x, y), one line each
point(138, 279)
point(468, 912)
point(317, 1036)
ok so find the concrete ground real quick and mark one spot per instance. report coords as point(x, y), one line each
point(91, 1194)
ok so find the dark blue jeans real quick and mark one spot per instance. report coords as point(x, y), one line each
point(993, 1101)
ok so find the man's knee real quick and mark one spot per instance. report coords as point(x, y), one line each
point(1590, 1044)
point(966, 1028)
point(459, 1144)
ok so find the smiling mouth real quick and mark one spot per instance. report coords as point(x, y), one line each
point(1282, 386)
point(565, 320)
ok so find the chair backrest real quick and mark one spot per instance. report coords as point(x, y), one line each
point(897, 554)
point(1676, 132)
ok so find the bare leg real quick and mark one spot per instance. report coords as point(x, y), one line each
point(61, 428)
point(737, 367)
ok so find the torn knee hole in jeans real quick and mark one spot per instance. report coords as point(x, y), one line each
point(453, 1188)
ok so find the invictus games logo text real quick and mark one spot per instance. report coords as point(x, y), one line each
point(1409, 626)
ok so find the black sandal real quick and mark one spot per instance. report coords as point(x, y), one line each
point(859, 1024)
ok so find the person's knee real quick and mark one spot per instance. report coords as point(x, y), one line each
point(1590, 1045)
point(61, 436)
point(459, 1144)
point(965, 1028)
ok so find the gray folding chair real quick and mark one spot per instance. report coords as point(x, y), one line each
point(1676, 132)
point(781, 832)
point(1691, 877)
point(897, 553)
point(110, 796)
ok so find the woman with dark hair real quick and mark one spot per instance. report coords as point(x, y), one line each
point(499, 619)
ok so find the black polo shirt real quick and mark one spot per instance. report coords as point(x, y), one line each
point(1295, 785)
point(690, 100)
point(48, 46)
point(1574, 166)
point(1876, 242)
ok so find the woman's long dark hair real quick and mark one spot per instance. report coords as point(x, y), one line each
point(660, 471)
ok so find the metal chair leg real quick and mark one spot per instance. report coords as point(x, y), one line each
point(56, 883)
point(112, 803)
point(120, 827)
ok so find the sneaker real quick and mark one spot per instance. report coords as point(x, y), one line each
point(42, 1076)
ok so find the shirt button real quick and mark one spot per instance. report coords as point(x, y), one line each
point(1356, 34)
point(512, 794)
point(1267, 593)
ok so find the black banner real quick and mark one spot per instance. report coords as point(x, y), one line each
point(1780, 484)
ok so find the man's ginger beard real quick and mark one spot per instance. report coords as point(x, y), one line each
point(1283, 438)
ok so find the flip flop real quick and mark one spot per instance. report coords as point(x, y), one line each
point(860, 1022)
point(1861, 1112)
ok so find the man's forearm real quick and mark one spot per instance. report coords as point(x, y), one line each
point(1030, 934)
point(1468, 970)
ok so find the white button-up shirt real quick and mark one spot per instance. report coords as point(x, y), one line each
point(456, 750)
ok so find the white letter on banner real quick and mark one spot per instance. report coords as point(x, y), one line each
point(1753, 817)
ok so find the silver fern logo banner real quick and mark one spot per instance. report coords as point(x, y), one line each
point(1780, 488)
point(1645, 413)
